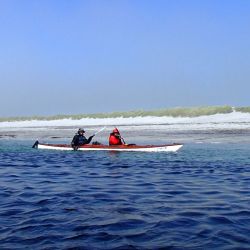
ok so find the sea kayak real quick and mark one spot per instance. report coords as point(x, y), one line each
point(88, 147)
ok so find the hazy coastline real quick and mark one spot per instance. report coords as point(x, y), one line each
point(167, 112)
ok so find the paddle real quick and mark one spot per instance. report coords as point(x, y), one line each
point(90, 138)
point(123, 140)
point(99, 131)
point(35, 144)
point(130, 144)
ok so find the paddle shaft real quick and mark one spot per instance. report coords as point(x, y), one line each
point(99, 131)
point(122, 139)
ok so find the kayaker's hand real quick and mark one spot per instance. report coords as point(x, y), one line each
point(90, 138)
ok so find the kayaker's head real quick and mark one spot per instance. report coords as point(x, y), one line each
point(81, 131)
point(116, 131)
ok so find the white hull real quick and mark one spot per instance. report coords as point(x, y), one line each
point(160, 148)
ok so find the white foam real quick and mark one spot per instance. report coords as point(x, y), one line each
point(234, 120)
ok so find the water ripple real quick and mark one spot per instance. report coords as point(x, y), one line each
point(196, 199)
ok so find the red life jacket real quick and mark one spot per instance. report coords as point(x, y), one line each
point(114, 140)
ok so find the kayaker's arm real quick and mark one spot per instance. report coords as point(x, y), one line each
point(89, 139)
point(74, 142)
point(122, 139)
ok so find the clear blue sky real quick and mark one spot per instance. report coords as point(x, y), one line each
point(87, 56)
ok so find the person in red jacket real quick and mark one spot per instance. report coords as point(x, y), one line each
point(115, 138)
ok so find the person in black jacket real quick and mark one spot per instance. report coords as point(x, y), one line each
point(79, 139)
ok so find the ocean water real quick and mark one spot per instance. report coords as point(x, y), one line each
point(197, 198)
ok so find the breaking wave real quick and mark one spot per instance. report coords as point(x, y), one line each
point(233, 120)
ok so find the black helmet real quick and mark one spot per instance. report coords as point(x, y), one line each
point(80, 130)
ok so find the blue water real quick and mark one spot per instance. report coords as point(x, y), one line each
point(198, 198)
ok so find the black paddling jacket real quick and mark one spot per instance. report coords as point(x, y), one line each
point(79, 140)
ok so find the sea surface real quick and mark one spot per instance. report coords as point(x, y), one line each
point(197, 198)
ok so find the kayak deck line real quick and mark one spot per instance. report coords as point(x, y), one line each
point(138, 148)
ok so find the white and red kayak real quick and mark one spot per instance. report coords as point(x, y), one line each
point(88, 147)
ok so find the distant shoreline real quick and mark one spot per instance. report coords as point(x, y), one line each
point(171, 112)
